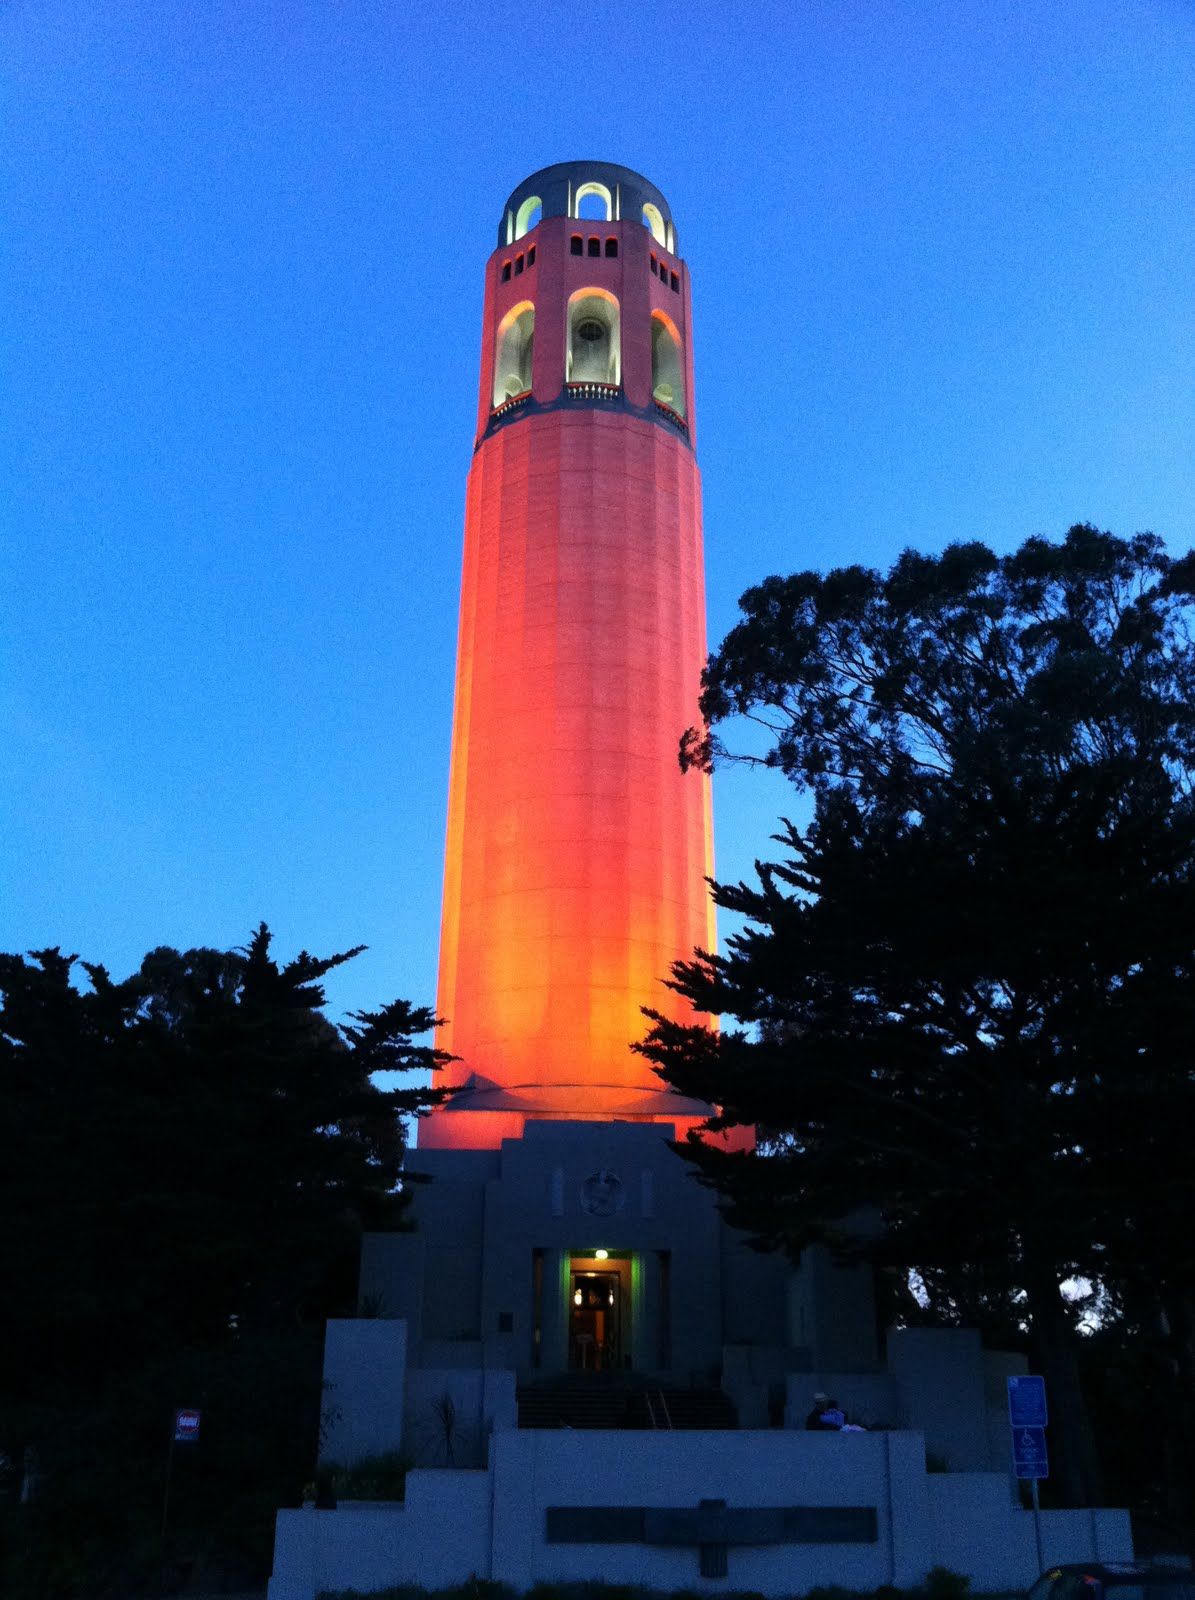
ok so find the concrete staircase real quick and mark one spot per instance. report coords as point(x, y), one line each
point(612, 1400)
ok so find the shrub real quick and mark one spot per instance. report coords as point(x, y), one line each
point(382, 1477)
point(942, 1584)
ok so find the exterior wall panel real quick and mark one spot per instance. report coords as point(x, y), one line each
point(577, 851)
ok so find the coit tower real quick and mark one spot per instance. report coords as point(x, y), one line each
point(577, 851)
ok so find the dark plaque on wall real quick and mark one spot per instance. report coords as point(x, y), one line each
point(712, 1527)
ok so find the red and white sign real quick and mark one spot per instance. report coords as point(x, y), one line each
point(186, 1426)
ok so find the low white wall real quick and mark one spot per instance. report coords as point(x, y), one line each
point(441, 1536)
point(365, 1361)
point(499, 1399)
point(491, 1524)
point(1084, 1536)
point(752, 1372)
point(940, 1390)
point(979, 1530)
point(534, 1470)
point(748, 1373)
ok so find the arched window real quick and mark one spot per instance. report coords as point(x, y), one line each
point(653, 221)
point(667, 368)
point(528, 215)
point(593, 354)
point(512, 360)
point(593, 200)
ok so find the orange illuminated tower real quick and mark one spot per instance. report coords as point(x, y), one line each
point(577, 851)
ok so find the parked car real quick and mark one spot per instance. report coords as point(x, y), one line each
point(1118, 1580)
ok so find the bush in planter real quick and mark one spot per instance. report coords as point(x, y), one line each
point(382, 1477)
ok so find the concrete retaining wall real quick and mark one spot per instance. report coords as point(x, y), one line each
point(441, 1536)
point(534, 1470)
point(484, 1399)
point(365, 1363)
point(492, 1524)
point(977, 1529)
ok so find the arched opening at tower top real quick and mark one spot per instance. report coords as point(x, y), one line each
point(653, 221)
point(594, 202)
point(593, 353)
point(667, 365)
point(529, 215)
point(512, 357)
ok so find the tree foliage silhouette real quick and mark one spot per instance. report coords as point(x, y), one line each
point(189, 1156)
point(964, 988)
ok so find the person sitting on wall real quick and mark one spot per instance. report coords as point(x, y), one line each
point(825, 1416)
point(833, 1416)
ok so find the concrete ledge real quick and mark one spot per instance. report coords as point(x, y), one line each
point(979, 1530)
point(457, 1524)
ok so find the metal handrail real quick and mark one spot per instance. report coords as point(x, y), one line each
point(651, 1410)
point(593, 391)
point(511, 404)
point(674, 417)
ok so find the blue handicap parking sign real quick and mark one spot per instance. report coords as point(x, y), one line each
point(1029, 1453)
point(1027, 1402)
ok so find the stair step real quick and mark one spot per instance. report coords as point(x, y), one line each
point(569, 1403)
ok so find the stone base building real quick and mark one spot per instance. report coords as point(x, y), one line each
point(594, 1377)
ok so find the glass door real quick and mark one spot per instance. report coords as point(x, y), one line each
point(595, 1322)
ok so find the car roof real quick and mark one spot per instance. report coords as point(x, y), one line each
point(1128, 1571)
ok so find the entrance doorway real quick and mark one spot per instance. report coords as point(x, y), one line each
point(595, 1322)
point(599, 1313)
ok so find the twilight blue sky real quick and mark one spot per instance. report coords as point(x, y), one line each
point(942, 255)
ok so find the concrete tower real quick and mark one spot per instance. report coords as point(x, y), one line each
point(628, 1379)
point(577, 851)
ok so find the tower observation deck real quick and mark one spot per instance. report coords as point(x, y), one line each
point(577, 851)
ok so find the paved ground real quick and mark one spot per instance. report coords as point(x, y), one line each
point(240, 1594)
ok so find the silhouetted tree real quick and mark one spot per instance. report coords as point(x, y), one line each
point(966, 985)
point(187, 1159)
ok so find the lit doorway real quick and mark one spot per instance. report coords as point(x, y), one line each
point(595, 1321)
point(599, 1314)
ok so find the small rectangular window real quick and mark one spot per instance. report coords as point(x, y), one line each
point(595, 247)
point(611, 247)
point(655, 265)
point(518, 265)
point(575, 244)
point(531, 256)
point(506, 272)
point(676, 282)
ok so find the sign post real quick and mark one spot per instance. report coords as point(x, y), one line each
point(184, 1430)
point(1027, 1417)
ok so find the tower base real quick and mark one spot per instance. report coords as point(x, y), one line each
point(483, 1114)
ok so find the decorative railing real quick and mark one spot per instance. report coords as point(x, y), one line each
point(674, 417)
point(593, 391)
point(589, 392)
point(513, 404)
